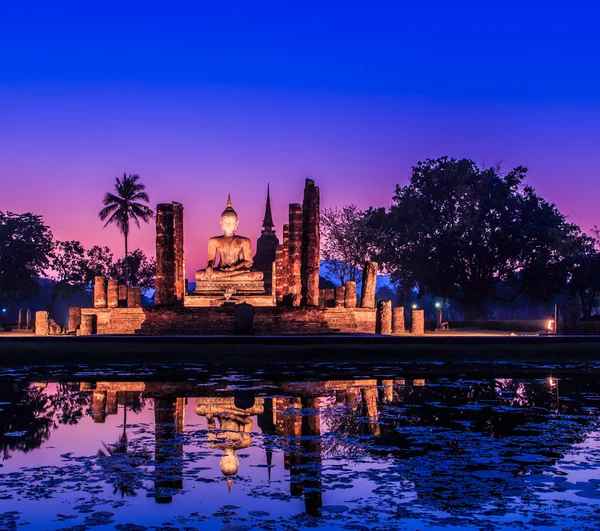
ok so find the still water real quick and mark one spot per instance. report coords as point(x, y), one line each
point(346, 446)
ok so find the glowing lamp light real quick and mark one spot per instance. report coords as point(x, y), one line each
point(551, 382)
point(3, 310)
point(414, 306)
point(551, 325)
point(438, 304)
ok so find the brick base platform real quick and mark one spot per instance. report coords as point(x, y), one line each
point(220, 320)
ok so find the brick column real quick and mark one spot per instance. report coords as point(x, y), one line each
point(350, 295)
point(179, 264)
point(384, 318)
point(165, 255)
point(311, 244)
point(42, 323)
point(417, 322)
point(112, 293)
point(74, 318)
point(369, 282)
point(88, 325)
point(340, 296)
point(279, 276)
point(295, 254)
point(130, 297)
point(99, 292)
point(122, 290)
point(398, 320)
point(138, 297)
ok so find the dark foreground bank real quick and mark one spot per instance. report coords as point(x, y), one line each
point(250, 350)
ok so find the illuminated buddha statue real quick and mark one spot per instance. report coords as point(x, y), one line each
point(235, 253)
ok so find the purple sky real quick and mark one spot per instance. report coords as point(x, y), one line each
point(202, 104)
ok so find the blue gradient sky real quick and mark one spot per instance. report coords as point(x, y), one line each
point(203, 100)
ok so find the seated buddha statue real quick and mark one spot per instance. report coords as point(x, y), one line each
point(235, 253)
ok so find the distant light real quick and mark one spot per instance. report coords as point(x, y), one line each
point(551, 381)
point(438, 304)
point(414, 306)
point(551, 325)
point(3, 310)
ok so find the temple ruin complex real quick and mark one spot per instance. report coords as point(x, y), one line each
point(276, 291)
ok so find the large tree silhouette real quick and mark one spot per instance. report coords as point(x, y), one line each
point(126, 205)
point(474, 234)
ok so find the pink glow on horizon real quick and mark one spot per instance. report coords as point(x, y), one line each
point(60, 151)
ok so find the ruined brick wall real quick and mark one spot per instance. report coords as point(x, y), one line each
point(220, 320)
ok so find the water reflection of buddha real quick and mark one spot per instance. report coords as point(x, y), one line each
point(234, 430)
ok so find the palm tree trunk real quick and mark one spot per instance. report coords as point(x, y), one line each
point(127, 278)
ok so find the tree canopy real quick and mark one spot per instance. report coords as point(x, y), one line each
point(25, 246)
point(348, 240)
point(472, 234)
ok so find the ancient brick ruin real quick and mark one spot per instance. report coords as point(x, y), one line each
point(289, 303)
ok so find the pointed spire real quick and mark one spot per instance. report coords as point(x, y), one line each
point(268, 221)
point(229, 205)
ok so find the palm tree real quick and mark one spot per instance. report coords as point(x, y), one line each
point(125, 206)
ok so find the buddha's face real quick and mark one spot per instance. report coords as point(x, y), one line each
point(228, 225)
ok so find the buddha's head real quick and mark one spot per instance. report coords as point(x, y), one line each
point(229, 219)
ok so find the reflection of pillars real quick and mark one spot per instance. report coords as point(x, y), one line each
point(99, 406)
point(311, 456)
point(388, 390)
point(352, 398)
point(168, 452)
point(369, 400)
point(340, 397)
point(180, 414)
point(266, 422)
point(288, 423)
point(111, 403)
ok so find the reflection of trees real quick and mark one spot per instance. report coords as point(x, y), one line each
point(31, 412)
point(118, 459)
point(468, 444)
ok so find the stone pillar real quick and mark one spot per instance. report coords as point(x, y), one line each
point(130, 297)
point(350, 294)
point(137, 297)
point(88, 325)
point(179, 264)
point(311, 244)
point(112, 293)
point(165, 255)
point(99, 292)
point(21, 320)
point(122, 291)
point(279, 276)
point(295, 254)
point(417, 322)
point(398, 320)
point(74, 318)
point(384, 318)
point(28, 319)
point(42, 323)
point(340, 296)
point(369, 285)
